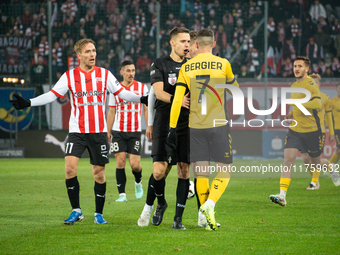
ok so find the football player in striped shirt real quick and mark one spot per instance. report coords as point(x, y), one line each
point(87, 126)
point(124, 121)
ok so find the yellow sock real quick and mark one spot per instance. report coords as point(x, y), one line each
point(334, 159)
point(202, 188)
point(316, 175)
point(218, 186)
point(284, 183)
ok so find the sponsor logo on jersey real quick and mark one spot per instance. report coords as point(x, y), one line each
point(89, 93)
point(152, 72)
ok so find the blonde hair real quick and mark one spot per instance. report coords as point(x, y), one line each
point(78, 47)
point(315, 76)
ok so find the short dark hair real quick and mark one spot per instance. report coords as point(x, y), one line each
point(178, 30)
point(304, 59)
point(193, 35)
point(126, 63)
point(205, 37)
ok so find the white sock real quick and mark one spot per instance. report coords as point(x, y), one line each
point(211, 203)
point(148, 208)
point(138, 182)
point(122, 194)
point(77, 210)
point(313, 183)
point(95, 214)
point(283, 192)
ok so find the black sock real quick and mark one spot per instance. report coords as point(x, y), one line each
point(99, 192)
point(121, 179)
point(159, 190)
point(72, 186)
point(138, 176)
point(181, 196)
point(150, 196)
point(197, 198)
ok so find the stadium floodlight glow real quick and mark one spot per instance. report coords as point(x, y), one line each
point(22, 81)
point(9, 80)
point(4, 79)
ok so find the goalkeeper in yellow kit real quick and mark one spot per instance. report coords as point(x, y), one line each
point(208, 141)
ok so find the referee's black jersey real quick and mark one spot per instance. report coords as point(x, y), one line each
point(166, 70)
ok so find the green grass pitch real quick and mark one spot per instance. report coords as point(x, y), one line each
point(34, 203)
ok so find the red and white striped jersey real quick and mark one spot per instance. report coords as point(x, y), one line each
point(88, 95)
point(128, 114)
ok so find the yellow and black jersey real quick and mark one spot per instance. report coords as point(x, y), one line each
point(326, 109)
point(207, 102)
point(336, 111)
point(306, 123)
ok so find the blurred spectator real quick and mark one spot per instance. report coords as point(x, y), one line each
point(335, 67)
point(212, 26)
point(72, 61)
point(67, 15)
point(44, 47)
point(287, 68)
point(69, 28)
point(140, 19)
point(197, 6)
point(312, 51)
point(108, 67)
point(228, 24)
point(42, 16)
point(35, 56)
point(281, 34)
point(171, 21)
point(323, 40)
point(5, 24)
point(143, 62)
point(258, 14)
point(129, 36)
point(316, 10)
point(152, 51)
point(100, 29)
point(244, 73)
point(237, 11)
point(248, 42)
point(68, 50)
point(188, 19)
point(57, 60)
point(18, 28)
point(110, 7)
point(117, 18)
point(337, 45)
point(294, 9)
point(71, 6)
point(335, 29)
point(238, 33)
point(271, 26)
point(113, 60)
point(27, 18)
point(309, 28)
point(221, 39)
point(328, 73)
point(253, 62)
point(113, 35)
point(103, 50)
point(64, 40)
point(153, 24)
point(288, 49)
point(56, 31)
point(39, 75)
point(213, 16)
point(321, 67)
point(277, 11)
point(197, 25)
point(294, 28)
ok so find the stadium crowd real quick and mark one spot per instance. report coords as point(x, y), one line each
point(126, 30)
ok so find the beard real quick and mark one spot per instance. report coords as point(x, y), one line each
point(302, 73)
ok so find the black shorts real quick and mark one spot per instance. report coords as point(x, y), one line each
point(306, 142)
point(96, 143)
point(159, 136)
point(323, 144)
point(337, 137)
point(211, 144)
point(126, 142)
